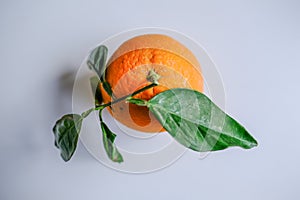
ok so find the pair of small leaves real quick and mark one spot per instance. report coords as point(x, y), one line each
point(66, 132)
point(196, 122)
point(67, 129)
point(97, 62)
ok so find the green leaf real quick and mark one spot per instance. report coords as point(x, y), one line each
point(66, 132)
point(109, 146)
point(139, 102)
point(97, 61)
point(108, 89)
point(196, 122)
point(94, 81)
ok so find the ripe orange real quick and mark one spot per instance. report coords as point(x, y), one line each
point(129, 66)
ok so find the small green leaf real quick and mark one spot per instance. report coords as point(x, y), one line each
point(196, 122)
point(108, 89)
point(139, 102)
point(94, 81)
point(97, 61)
point(108, 141)
point(66, 132)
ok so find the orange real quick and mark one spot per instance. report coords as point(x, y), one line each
point(129, 66)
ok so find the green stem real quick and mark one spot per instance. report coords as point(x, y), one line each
point(101, 107)
point(125, 97)
point(86, 113)
point(100, 115)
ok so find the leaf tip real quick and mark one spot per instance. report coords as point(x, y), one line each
point(251, 144)
point(66, 159)
point(119, 159)
point(254, 143)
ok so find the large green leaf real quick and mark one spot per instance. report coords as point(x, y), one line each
point(66, 131)
point(109, 146)
point(196, 122)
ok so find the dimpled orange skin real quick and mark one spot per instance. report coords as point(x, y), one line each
point(128, 69)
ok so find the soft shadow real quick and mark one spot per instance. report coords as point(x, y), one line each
point(63, 105)
point(64, 91)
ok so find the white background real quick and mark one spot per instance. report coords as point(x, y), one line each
point(256, 46)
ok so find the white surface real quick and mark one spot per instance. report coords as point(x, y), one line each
point(255, 45)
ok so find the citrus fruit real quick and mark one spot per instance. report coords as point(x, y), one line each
point(131, 63)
